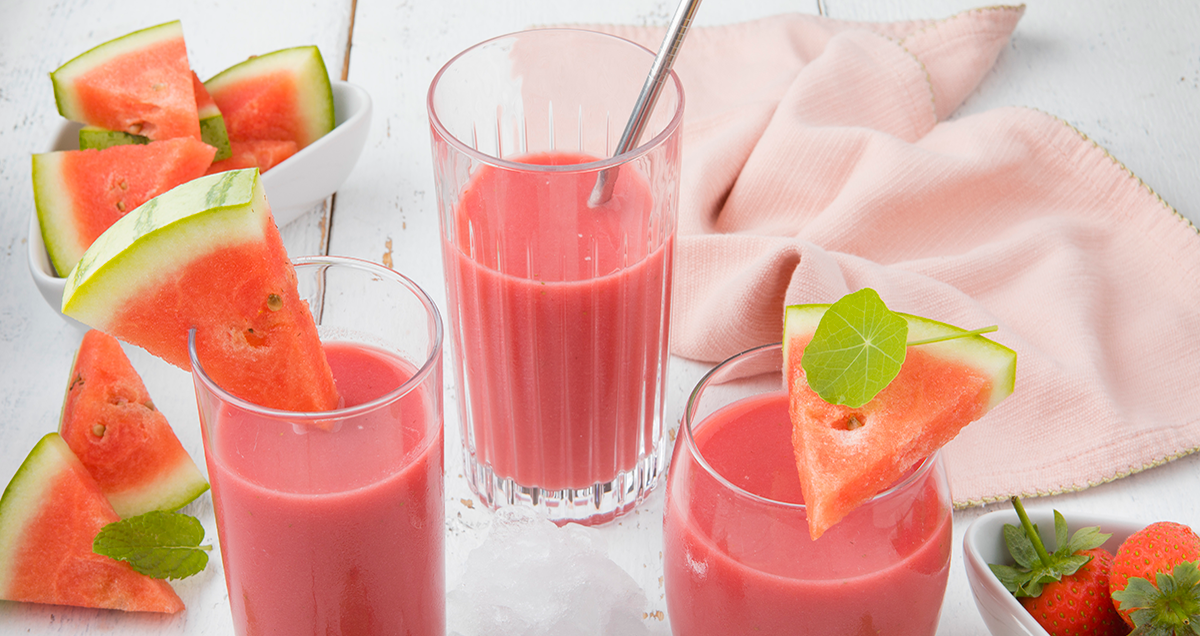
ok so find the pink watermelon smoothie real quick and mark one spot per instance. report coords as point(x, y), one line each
point(730, 570)
point(337, 531)
point(560, 314)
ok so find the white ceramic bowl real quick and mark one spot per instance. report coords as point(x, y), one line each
point(293, 187)
point(983, 543)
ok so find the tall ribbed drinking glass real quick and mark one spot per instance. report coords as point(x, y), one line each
point(558, 310)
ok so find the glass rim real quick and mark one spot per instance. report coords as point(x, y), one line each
point(592, 166)
point(395, 394)
point(690, 441)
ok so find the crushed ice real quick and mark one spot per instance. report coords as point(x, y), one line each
point(532, 578)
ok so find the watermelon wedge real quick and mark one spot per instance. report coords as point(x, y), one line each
point(846, 456)
point(207, 255)
point(80, 193)
point(280, 96)
point(139, 83)
point(50, 513)
point(125, 443)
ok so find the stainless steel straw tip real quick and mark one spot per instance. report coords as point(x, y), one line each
point(659, 72)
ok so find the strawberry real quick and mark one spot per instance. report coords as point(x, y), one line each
point(1155, 580)
point(1078, 604)
point(1066, 591)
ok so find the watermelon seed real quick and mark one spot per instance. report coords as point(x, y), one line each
point(76, 381)
point(274, 302)
point(98, 430)
point(852, 422)
point(121, 205)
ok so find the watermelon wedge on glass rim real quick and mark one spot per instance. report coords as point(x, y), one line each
point(50, 514)
point(126, 444)
point(140, 84)
point(80, 193)
point(207, 255)
point(845, 455)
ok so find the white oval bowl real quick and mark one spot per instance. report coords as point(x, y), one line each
point(293, 187)
point(983, 543)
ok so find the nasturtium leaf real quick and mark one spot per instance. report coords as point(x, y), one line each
point(164, 545)
point(857, 349)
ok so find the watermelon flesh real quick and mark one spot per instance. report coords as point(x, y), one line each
point(263, 154)
point(212, 128)
point(207, 255)
point(845, 456)
point(50, 513)
point(281, 96)
point(126, 444)
point(140, 84)
point(80, 193)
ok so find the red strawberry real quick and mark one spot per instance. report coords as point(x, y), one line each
point(1155, 580)
point(1066, 591)
point(1078, 604)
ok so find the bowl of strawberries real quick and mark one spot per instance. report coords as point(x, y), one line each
point(1042, 573)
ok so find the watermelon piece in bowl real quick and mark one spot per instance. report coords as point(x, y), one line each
point(139, 84)
point(80, 193)
point(50, 513)
point(126, 444)
point(207, 256)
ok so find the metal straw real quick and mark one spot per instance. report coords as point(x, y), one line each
point(659, 73)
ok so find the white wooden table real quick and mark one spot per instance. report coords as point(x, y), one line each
point(1124, 72)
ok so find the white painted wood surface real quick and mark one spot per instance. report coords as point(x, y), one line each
point(1124, 72)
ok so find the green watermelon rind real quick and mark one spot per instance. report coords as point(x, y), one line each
point(983, 354)
point(64, 246)
point(212, 132)
point(24, 496)
point(168, 492)
point(307, 65)
point(205, 214)
point(97, 138)
point(63, 77)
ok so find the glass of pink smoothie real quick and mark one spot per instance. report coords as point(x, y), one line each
point(737, 554)
point(332, 522)
point(558, 306)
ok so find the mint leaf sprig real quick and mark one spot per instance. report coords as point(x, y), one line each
point(858, 348)
point(163, 545)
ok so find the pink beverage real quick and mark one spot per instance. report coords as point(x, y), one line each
point(332, 523)
point(738, 557)
point(559, 304)
point(559, 326)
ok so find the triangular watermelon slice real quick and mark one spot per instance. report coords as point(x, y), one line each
point(79, 193)
point(280, 96)
point(50, 513)
point(139, 83)
point(125, 443)
point(846, 456)
point(207, 255)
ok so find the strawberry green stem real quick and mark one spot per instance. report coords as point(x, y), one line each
point(1031, 532)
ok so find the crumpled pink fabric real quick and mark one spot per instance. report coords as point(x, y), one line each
point(821, 157)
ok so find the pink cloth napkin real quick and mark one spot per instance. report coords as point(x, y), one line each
point(820, 157)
